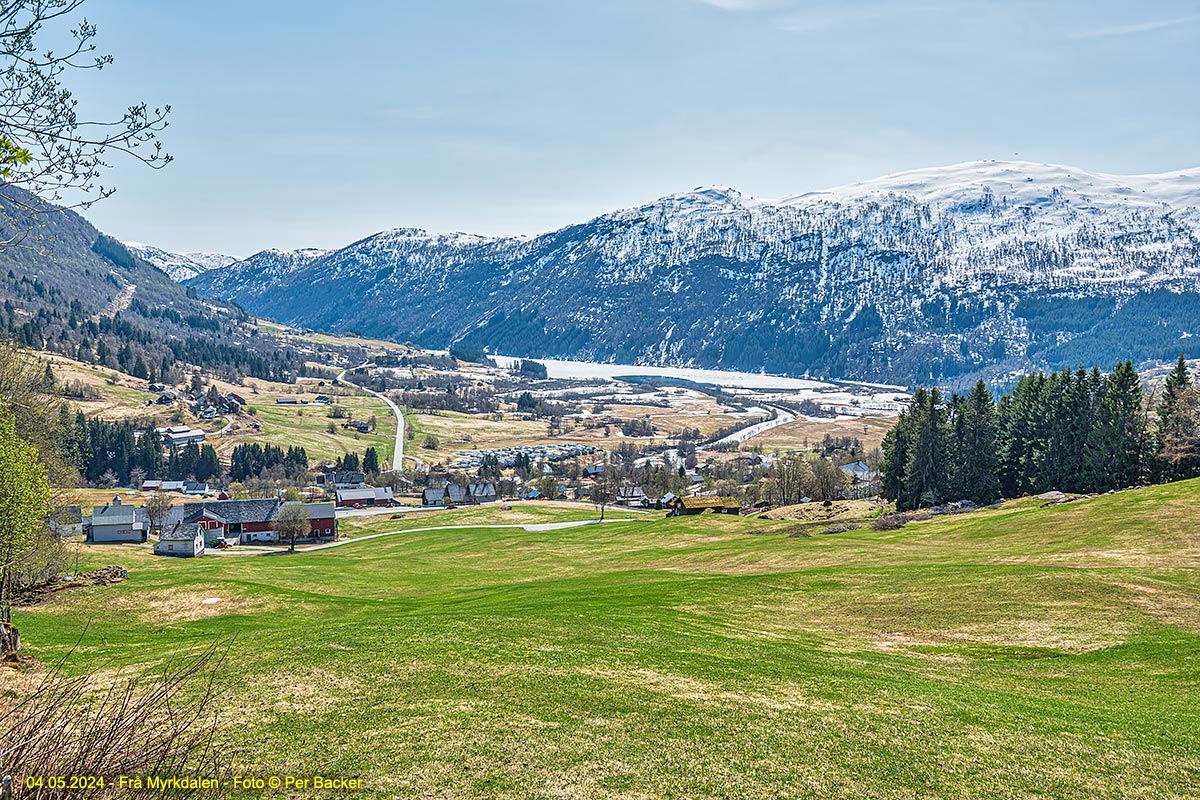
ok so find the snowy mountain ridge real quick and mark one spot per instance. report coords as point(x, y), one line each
point(947, 273)
point(180, 266)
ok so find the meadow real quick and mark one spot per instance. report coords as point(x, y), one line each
point(1019, 652)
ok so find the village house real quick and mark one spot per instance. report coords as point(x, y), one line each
point(632, 496)
point(185, 540)
point(116, 523)
point(454, 495)
point(484, 492)
point(342, 480)
point(66, 521)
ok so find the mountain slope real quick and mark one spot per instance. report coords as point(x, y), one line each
point(68, 288)
point(180, 266)
point(977, 269)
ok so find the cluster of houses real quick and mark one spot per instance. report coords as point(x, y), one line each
point(454, 495)
point(507, 456)
point(208, 405)
point(320, 400)
point(192, 527)
point(350, 490)
point(215, 404)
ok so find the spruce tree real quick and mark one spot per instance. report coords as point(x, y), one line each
point(925, 475)
point(895, 447)
point(977, 460)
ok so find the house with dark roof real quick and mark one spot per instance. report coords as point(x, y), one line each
point(185, 540)
point(245, 521)
point(342, 480)
point(367, 496)
point(483, 492)
point(66, 520)
point(632, 496)
point(116, 523)
point(454, 495)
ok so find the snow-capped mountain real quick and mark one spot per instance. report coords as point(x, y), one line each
point(180, 266)
point(947, 273)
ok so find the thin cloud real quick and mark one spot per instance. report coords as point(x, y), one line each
point(735, 5)
point(1136, 28)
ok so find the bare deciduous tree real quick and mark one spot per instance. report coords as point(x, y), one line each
point(46, 151)
point(292, 523)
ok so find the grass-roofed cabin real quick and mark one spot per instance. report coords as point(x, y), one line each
point(715, 504)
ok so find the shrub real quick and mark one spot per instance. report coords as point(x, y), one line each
point(165, 726)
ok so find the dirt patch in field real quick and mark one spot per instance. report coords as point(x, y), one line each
point(306, 691)
point(1166, 602)
point(819, 512)
point(787, 698)
point(170, 606)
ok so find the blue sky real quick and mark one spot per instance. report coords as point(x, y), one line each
point(308, 123)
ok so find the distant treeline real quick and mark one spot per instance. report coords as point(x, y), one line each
point(1074, 431)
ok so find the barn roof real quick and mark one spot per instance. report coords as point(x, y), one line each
point(237, 511)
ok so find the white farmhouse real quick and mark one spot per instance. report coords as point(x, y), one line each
point(185, 540)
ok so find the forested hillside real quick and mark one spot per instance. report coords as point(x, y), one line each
point(67, 288)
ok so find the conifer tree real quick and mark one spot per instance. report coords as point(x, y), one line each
point(977, 461)
point(895, 448)
point(925, 475)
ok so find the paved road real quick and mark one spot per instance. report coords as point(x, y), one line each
point(398, 453)
point(782, 417)
point(531, 528)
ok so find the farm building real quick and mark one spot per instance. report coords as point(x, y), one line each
point(244, 521)
point(368, 496)
point(632, 496)
point(116, 523)
point(455, 495)
point(66, 521)
point(185, 540)
point(180, 435)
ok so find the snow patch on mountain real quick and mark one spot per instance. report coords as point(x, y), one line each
point(180, 266)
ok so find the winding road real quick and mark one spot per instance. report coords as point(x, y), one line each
point(782, 417)
point(398, 453)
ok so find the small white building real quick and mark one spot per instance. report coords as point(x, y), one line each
point(185, 540)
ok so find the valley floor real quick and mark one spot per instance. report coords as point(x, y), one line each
point(1012, 653)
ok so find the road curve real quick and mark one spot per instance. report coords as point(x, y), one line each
point(782, 417)
point(397, 457)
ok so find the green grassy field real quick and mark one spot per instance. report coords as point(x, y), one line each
point(282, 425)
point(1016, 653)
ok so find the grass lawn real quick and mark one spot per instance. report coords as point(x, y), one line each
point(1015, 653)
point(283, 426)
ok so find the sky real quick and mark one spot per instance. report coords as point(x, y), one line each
point(313, 124)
